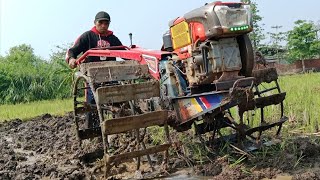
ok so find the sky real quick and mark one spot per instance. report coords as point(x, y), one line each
point(46, 23)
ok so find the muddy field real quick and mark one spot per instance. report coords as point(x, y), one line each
point(46, 148)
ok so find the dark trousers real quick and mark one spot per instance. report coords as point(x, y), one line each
point(92, 118)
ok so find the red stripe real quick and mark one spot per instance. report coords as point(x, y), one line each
point(205, 102)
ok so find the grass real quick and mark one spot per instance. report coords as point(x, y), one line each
point(30, 110)
point(302, 102)
point(301, 105)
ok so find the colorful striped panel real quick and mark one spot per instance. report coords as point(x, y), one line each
point(191, 107)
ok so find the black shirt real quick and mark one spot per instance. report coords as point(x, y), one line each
point(92, 39)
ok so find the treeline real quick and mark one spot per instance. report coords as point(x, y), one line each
point(301, 42)
point(25, 77)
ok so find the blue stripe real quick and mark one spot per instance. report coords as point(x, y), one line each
point(200, 103)
point(214, 100)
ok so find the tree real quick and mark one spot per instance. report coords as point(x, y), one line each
point(317, 29)
point(21, 75)
point(302, 41)
point(23, 54)
point(256, 35)
point(276, 38)
point(26, 77)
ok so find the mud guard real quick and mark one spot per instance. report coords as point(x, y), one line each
point(188, 108)
point(246, 53)
point(191, 107)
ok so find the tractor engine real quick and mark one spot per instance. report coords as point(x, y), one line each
point(210, 44)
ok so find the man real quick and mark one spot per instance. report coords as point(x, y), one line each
point(98, 37)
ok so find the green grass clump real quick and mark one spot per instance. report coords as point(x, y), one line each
point(30, 110)
point(301, 105)
point(302, 102)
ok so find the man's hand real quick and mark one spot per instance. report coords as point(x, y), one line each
point(72, 63)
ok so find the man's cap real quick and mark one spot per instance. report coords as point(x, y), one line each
point(102, 16)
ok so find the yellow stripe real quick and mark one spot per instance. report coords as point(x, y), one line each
point(196, 105)
point(180, 35)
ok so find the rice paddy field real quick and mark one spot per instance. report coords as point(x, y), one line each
point(37, 142)
point(302, 104)
point(31, 110)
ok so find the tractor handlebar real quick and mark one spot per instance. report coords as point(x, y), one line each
point(99, 52)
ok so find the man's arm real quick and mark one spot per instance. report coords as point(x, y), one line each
point(115, 41)
point(78, 47)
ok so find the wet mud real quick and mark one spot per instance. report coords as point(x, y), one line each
point(46, 147)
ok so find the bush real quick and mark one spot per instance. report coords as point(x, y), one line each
point(25, 77)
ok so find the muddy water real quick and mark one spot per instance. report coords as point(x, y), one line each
point(280, 178)
point(186, 177)
point(185, 174)
point(46, 148)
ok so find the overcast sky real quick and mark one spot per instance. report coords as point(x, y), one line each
point(46, 23)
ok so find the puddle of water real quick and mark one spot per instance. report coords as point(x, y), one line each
point(280, 178)
point(67, 167)
point(22, 151)
point(8, 139)
point(32, 156)
point(185, 175)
